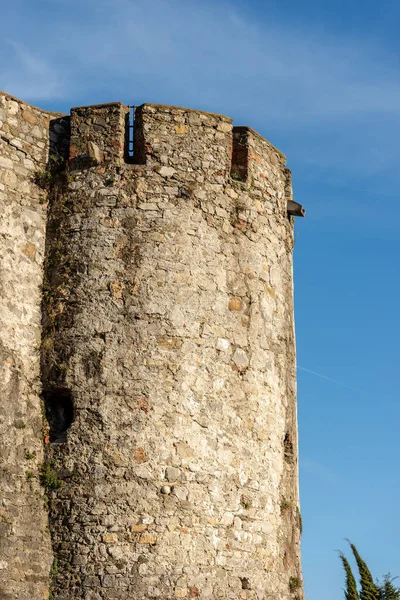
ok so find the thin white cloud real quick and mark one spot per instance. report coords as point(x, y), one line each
point(336, 99)
point(350, 387)
point(216, 54)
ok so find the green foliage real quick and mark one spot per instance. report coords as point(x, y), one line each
point(285, 504)
point(29, 455)
point(110, 181)
point(294, 584)
point(56, 163)
point(44, 178)
point(49, 477)
point(54, 567)
point(53, 573)
point(300, 520)
point(369, 590)
point(29, 475)
point(236, 177)
point(387, 590)
point(351, 592)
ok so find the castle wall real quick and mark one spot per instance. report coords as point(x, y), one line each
point(25, 554)
point(168, 333)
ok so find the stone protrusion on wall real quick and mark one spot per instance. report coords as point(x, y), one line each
point(195, 144)
point(97, 134)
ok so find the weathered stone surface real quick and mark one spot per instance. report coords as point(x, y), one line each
point(168, 362)
point(25, 550)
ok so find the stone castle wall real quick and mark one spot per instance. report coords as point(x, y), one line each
point(25, 552)
point(167, 363)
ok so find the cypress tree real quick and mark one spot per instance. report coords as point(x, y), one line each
point(369, 590)
point(350, 592)
point(388, 590)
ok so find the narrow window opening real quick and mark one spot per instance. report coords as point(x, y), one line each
point(288, 448)
point(131, 132)
point(136, 150)
point(245, 583)
point(240, 154)
point(130, 135)
point(59, 408)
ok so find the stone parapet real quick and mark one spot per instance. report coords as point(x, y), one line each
point(98, 134)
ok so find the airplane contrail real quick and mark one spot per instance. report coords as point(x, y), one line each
point(329, 379)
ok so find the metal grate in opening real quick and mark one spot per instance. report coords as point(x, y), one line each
point(131, 132)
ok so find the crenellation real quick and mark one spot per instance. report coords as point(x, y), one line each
point(259, 164)
point(189, 143)
point(98, 134)
point(167, 362)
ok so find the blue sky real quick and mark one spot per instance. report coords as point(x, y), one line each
point(321, 81)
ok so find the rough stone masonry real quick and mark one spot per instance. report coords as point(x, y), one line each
point(148, 407)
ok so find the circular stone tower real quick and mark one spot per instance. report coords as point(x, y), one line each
point(168, 361)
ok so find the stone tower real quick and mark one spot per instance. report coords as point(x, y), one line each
point(148, 358)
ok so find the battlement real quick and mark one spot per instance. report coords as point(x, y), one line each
point(190, 141)
point(98, 134)
point(197, 145)
point(30, 134)
point(158, 135)
point(168, 136)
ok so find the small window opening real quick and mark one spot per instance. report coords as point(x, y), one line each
point(245, 583)
point(59, 408)
point(136, 150)
point(240, 154)
point(288, 448)
point(130, 134)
